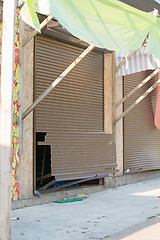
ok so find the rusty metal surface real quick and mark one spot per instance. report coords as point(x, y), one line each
point(71, 183)
point(72, 114)
point(141, 138)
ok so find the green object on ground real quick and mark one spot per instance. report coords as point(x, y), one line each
point(67, 200)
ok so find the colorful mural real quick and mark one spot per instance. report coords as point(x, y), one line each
point(16, 106)
point(1, 25)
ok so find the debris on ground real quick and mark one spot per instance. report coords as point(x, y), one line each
point(15, 218)
point(79, 197)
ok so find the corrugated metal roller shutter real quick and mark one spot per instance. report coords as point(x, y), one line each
point(72, 114)
point(141, 138)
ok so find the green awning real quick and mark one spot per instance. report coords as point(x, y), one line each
point(110, 24)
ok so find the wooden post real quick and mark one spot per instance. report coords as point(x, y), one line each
point(26, 98)
point(114, 96)
point(138, 100)
point(108, 77)
point(119, 127)
point(9, 10)
point(54, 84)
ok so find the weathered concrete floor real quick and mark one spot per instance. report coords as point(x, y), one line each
point(148, 230)
point(102, 214)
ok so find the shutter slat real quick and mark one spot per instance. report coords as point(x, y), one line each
point(72, 114)
point(141, 138)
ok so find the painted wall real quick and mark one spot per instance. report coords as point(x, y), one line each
point(16, 107)
point(22, 166)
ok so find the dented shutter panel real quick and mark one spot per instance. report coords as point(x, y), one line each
point(72, 114)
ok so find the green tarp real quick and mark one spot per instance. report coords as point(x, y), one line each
point(110, 24)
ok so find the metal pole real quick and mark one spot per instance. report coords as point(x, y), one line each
point(9, 10)
point(64, 74)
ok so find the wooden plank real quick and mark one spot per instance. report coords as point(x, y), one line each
point(119, 127)
point(62, 35)
point(53, 24)
point(43, 161)
point(114, 97)
point(101, 181)
point(54, 84)
point(35, 32)
point(26, 98)
point(44, 177)
point(21, 77)
point(138, 100)
point(124, 61)
point(1, 11)
point(7, 76)
point(47, 185)
point(138, 86)
point(108, 76)
point(34, 124)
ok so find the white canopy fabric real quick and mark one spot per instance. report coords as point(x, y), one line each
point(109, 24)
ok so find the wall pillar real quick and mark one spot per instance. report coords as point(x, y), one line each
point(26, 98)
point(119, 127)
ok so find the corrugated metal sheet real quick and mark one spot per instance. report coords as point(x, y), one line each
point(141, 138)
point(72, 114)
point(140, 61)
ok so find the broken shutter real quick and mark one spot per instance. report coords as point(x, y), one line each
point(141, 138)
point(72, 114)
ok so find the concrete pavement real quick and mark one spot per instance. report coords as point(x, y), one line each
point(110, 214)
point(148, 230)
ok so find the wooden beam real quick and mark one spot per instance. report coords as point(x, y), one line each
point(43, 161)
point(138, 100)
point(101, 181)
point(1, 11)
point(119, 127)
point(53, 24)
point(68, 38)
point(124, 61)
point(108, 76)
point(54, 84)
point(138, 86)
point(47, 185)
point(7, 76)
point(35, 32)
point(21, 81)
point(26, 98)
point(44, 177)
point(114, 97)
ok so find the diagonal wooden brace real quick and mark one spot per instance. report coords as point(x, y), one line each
point(35, 32)
point(138, 86)
point(54, 84)
point(138, 100)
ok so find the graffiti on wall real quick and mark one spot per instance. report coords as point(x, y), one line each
point(16, 106)
point(1, 25)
